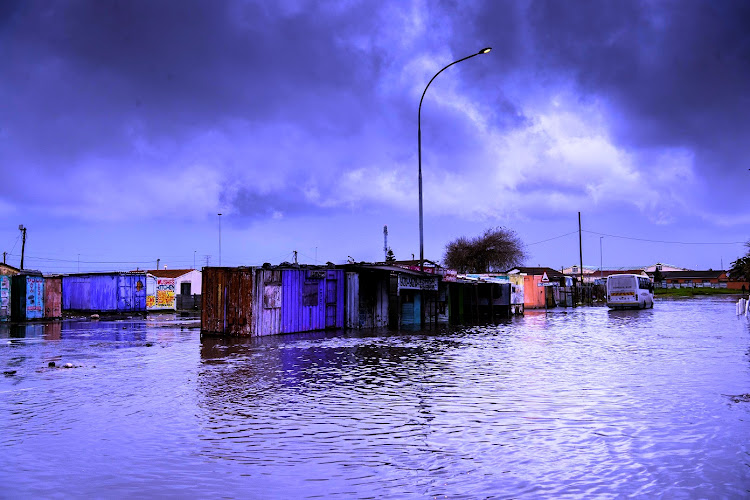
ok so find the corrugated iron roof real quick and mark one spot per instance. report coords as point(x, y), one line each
point(537, 271)
point(168, 273)
point(710, 274)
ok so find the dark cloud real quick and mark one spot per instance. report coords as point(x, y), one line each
point(677, 72)
point(80, 73)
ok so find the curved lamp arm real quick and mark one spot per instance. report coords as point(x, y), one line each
point(419, 142)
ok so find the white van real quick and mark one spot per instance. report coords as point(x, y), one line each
point(629, 290)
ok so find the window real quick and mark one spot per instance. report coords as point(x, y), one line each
point(310, 294)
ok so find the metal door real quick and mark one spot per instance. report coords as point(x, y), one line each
point(331, 296)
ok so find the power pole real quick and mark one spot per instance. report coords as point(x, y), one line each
point(580, 246)
point(4, 254)
point(23, 245)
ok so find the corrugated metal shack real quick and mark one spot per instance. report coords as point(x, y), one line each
point(4, 297)
point(255, 301)
point(52, 297)
point(415, 300)
point(27, 296)
point(104, 292)
point(367, 295)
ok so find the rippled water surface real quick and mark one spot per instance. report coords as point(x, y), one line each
point(581, 403)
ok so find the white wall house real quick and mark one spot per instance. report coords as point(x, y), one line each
point(163, 286)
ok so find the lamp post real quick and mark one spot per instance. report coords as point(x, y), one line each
point(419, 146)
point(219, 240)
point(601, 269)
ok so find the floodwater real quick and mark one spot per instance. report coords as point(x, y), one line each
point(580, 402)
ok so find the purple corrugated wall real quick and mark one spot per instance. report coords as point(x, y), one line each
point(104, 292)
point(311, 303)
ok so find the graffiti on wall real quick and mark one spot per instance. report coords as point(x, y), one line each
point(35, 295)
point(4, 298)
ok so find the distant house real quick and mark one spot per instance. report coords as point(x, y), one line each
point(172, 289)
point(535, 295)
point(663, 268)
point(698, 279)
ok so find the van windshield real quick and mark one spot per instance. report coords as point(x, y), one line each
point(621, 283)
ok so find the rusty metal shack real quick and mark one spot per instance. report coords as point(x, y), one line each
point(52, 297)
point(268, 300)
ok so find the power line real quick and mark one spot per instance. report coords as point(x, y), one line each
point(667, 242)
point(553, 238)
point(49, 259)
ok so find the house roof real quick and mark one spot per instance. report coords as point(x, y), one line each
point(169, 273)
point(536, 271)
point(710, 274)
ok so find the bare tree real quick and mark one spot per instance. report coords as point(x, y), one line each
point(498, 249)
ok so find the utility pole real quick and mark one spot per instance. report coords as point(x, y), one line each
point(580, 247)
point(4, 254)
point(219, 240)
point(23, 245)
point(295, 257)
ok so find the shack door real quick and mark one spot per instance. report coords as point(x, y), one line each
point(331, 295)
point(125, 293)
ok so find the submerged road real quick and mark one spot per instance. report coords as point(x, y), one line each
point(580, 402)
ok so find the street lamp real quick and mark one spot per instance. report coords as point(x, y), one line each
point(419, 139)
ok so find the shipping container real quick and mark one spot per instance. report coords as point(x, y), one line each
point(4, 297)
point(27, 296)
point(267, 301)
point(53, 297)
point(227, 300)
point(104, 292)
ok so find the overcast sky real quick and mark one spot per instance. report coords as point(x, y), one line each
point(126, 126)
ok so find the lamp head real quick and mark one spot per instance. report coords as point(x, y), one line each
point(485, 50)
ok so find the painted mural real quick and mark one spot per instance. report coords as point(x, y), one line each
point(4, 298)
point(161, 294)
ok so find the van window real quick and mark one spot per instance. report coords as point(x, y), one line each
point(621, 282)
point(644, 283)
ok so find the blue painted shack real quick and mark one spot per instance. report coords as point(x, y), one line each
point(27, 296)
point(104, 292)
point(4, 298)
point(256, 301)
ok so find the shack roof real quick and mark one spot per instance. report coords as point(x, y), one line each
point(8, 269)
point(363, 266)
point(537, 271)
point(169, 273)
point(710, 274)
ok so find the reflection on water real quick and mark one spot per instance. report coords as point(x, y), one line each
point(586, 402)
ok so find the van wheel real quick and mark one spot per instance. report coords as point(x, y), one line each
point(642, 305)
